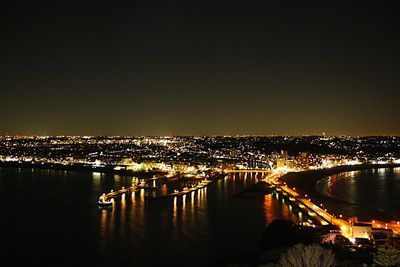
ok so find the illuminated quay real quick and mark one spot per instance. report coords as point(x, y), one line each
point(201, 183)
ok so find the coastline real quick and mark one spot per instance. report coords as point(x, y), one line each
point(78, 167)
point(306, 182)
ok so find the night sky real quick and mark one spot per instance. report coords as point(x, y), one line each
point(197, 67)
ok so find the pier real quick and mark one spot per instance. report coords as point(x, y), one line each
point(203, 182)
point(123, 190)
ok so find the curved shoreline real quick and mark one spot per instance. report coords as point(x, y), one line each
point(324, 188)
point(306, 182)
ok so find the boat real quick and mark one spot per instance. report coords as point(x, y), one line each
point(104, 203)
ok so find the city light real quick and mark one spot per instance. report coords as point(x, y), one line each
point(196, 165)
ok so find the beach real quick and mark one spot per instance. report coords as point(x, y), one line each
point(305, 183)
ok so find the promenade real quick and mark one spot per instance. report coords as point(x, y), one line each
point(304, 202)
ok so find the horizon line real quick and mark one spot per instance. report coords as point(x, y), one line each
point(202, 135)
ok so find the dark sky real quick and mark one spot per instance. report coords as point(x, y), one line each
point(199, 67)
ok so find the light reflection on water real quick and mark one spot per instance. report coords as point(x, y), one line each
point(371, 194)
point(205, 226)
point(191, 211)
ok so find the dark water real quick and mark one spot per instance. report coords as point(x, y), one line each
point(371, 194)
point(50, 218)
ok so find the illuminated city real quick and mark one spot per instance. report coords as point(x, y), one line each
point(182, 166)
point(200, 153)
point(200, 133)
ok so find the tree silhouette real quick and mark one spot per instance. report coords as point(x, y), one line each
point(387, 256)
point(307, 256)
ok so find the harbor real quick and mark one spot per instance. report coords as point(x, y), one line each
point(163, 186)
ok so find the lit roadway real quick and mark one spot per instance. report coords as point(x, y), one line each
point(324, 217)
point(328, 218)
point(394, 225)
point(345, 226)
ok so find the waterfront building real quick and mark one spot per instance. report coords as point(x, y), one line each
point(361, 230)
point(290, 164)
point(280, 163)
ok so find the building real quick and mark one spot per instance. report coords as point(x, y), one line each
point(361, 230)
point(290, 164)
point(304, 161)
point(381, 235)
point(280, 163)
